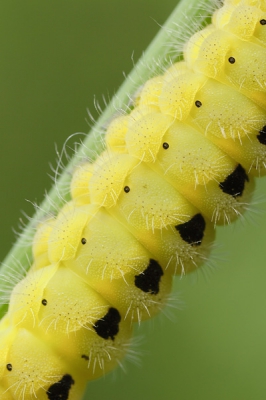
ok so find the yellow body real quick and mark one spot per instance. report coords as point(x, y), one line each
point(182, 161)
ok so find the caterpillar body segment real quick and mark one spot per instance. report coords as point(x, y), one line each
point(79, 183)
point(243, 20)
point(29, 377)
point(117, 130)
point(180, 162)
point(27, 296)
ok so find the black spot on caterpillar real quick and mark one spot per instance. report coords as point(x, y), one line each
point(60, 390)
point(192, 231)
point(234, 183)
point(148, 281)
point(44, 302)
point(126, 189)
point(108, 326)
point(165, 146)
point(262, 135)
point(198, 103)
point(9, 367)
point(231, 60)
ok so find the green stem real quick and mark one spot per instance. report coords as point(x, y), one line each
point(161, 48)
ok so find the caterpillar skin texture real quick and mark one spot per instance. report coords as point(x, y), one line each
point(183, 161)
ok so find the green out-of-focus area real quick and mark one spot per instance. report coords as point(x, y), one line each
point(55, 57)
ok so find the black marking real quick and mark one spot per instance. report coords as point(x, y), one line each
point(108, 326)
point(85, 357)
point(83, 240)
point(198, 103)
point(262, 135)
point(192, 231)
point(232, 60)
point(126, 189)
point(44, 302)
point(165, 146)
point(148, 281)
point(263, 21)
point(9, 367)
point(234, 184)
point(60, 390)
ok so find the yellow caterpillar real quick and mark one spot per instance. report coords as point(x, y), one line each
point(181, 162)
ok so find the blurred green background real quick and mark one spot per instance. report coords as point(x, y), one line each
point(55, 56)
